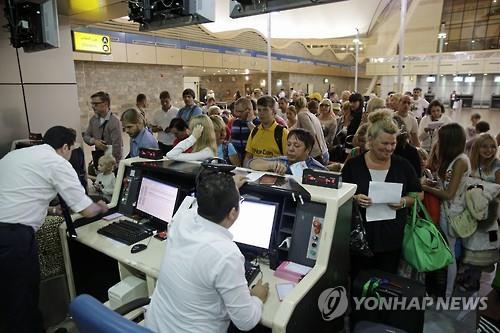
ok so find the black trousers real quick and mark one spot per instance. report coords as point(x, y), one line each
point(383, 261)
point(19, 280)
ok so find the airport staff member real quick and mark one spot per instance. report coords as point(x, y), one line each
point(30, 179)
point(202, 285)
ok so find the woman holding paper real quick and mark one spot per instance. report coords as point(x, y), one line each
point(384, 230)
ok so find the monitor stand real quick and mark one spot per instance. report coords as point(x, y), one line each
point(153, 224)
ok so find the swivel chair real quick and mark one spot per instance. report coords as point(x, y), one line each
point(91, 316)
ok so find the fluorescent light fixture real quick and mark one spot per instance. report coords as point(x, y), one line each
point(430, 79)
point(497, 79)
point(458, 79)
point(470, 79)
point(279, 82)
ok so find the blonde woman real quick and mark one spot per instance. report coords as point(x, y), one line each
point(291, 117)
point(310, 122)
point(374, 103)
point(202, 139)
point(225, 150)
point(328, 122)
point(380, 164)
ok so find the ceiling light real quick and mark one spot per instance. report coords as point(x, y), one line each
point(473, 41)
point(361, 49)
point(247, 71)
point(485, 74)
point(342, 48)
point(351, 49)
point(247, 78)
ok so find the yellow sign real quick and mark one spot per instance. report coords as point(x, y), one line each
point(86, 42)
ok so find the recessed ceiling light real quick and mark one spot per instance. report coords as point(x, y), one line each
point(485, 74)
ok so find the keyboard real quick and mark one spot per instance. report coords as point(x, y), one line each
point(125, 232)
point(251, 271)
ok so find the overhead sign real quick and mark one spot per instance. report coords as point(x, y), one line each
point(86, 42)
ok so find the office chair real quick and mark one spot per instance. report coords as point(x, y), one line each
point(91, 316)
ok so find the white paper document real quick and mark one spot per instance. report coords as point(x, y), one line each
point(253, 176)
point(383, 193)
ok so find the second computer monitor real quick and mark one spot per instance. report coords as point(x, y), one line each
point(157, 199)
point(254, 227)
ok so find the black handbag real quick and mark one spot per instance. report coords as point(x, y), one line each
point(358, 242)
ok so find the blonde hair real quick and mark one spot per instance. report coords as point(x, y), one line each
point(475, 156)
point(300, 103)
point(362, 130)
point(207, 138)
point(292, 109)
point(424, 155)
point(327, 101)
point(107, 159)
point(381, 121)
point(374, 104)
point(214, 110)
point(218, 123)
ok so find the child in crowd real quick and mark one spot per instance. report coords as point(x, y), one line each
point(225, 150)
point(471, 130)
point(105, 181)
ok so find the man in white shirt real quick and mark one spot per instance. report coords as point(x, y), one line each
point(409, 119)
point(30, 179)
point(201, 286)
point(161, 120)
point(419, 104)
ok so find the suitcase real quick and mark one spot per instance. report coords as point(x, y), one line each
point(376, 285)
point(369, 327)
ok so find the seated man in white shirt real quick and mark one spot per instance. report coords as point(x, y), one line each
point(202, 285)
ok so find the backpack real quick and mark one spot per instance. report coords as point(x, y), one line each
point(278, 134)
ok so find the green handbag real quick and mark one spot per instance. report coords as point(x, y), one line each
point(424, 247)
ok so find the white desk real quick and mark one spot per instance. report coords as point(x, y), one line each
point(300, 303)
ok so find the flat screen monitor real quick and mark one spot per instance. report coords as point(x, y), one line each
point(253, 229)
point(157, 199)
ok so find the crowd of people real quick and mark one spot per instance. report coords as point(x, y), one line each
point(401, 139)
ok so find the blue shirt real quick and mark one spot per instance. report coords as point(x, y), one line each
point(187, 112)
point(310, 162)
point(240, 133)
point(230, 151)
point(142, 140)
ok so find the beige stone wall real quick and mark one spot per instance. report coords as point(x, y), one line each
point(123, 82)
point(225, 86)
point(301, 82)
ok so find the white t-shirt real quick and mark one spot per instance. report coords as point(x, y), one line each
point(163, 118)
point(178, 152)
point(410, 123)
point(420, 104)
point(425, 137)
point(106, 184)
point(201, 285)
point(30, 178)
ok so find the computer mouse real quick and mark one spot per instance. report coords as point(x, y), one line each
point(138, 248)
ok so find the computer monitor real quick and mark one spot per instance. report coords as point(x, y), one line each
point(253, 230)
point(157, 199)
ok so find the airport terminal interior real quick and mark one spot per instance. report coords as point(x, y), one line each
point(361, 135)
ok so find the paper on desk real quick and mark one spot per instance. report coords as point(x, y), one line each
point(297, 268)
point(253, 176)
point(383, 193)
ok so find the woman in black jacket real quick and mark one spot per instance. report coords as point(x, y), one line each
point(380, 164)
